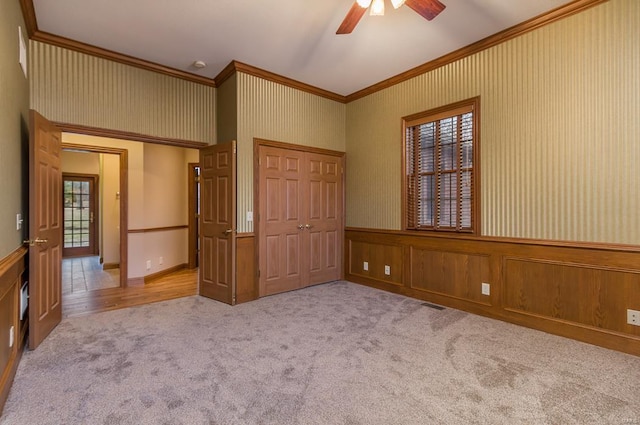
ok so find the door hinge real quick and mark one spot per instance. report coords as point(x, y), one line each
point(258, 273)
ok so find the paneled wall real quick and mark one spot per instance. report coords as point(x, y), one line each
point(559, 131)
point(272, 111)
point(580, 291)
point(12, 269)
point(75, 88)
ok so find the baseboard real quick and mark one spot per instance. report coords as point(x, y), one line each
point(110, 266)
point(162, 273)
point(135, 281)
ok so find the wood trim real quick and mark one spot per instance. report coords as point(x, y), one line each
point(88, 49)
point(110, 266)
point(193, 216)
point(576, 290)
point(29, 15)
point(561, 12)
point(245, 235)
point(226, 73)
point(135, 281)
point(282, 145)
point(124, 135)
point(12, 259)
point(236, 66)
point(519, 241)
point(124, 200)
point(159, 229)
point(155, 276)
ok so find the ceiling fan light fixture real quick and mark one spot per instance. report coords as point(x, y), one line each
point(364, 3)
point(397, 3)
point(377, 8)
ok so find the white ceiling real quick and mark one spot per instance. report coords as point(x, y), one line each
point(293, 38)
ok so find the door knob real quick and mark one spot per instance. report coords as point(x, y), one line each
point(308, 226)
point(228, 231)
point(36, 241)
point(300, 226)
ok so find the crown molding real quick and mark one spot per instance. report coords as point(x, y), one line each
point(99, 52)
point(29, 15)
point(554, 15)
point(236, 66)
point(561, 12)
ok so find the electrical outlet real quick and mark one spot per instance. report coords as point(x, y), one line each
point(148, 264)
point(633, 317)
point(161, 260)
point(11, 336)
point(365, 266)
point(486, 289)
point(387, 270)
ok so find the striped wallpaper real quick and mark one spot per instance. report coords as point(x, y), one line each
point(72, 87)
point(560, 133)
point(268, 110)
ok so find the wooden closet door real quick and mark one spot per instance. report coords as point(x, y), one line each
point(324, 221)
point(281, 224)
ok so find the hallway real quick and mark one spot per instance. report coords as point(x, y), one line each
point(82, 274)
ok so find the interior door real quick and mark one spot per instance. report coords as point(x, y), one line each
point(281, 224)
point(45, 228)
point(323, 224)
point(218, 222)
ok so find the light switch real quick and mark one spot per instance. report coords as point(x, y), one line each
point(249, 215)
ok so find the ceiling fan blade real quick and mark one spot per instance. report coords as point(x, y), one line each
point(351, 20)
point(428, 9)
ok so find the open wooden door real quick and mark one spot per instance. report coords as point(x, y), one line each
point(218, 222)
point(45, 228)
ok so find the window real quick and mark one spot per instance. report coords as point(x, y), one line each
point(441, 168)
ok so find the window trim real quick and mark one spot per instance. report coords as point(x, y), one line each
point(434, 115)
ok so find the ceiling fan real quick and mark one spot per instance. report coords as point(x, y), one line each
point(428, 9)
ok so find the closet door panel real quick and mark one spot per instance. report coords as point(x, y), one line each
point(281, 238)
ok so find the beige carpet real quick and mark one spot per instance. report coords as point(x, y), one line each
point(338, 353)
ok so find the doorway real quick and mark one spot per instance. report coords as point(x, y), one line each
point(80, 214)
point(103, 210)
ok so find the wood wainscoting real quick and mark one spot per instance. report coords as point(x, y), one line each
point(12, 271)
point(246, 277)
point(576, 290)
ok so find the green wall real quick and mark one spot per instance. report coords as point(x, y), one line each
point(14, 109)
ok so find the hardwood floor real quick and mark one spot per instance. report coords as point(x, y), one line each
point(182, 283)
